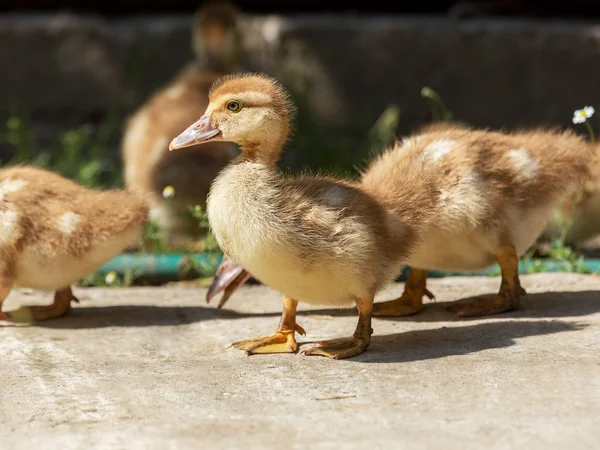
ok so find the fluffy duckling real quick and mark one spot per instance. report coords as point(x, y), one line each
point(495, 193)
point(149, 167)
point(314, 239)
point(451, 198)
point(54, 232)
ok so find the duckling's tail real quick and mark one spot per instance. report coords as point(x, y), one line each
point(215, 36)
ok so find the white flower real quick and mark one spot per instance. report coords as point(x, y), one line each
point(581, 115)
point(168, 192)
point(110, 278)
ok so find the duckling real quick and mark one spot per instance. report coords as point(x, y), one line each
point(449, 198)
point(495, 194)
point(54, 232)
point(314, 239)
point(149, 167)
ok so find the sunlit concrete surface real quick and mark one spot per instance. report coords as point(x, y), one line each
point(149, 368)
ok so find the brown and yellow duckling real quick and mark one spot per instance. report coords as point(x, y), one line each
point(53, 232)
point(149, 167)
point(452, 198)
point(497, 192)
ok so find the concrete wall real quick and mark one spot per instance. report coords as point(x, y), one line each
point(63, 70)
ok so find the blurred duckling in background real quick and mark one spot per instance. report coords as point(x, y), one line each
point(450, 198)
point(149, 167)
point(577, 220)
point(53, 232)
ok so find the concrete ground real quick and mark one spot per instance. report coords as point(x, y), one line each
point(148, 368)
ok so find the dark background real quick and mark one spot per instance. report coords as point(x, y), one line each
point(498, 64)
point(548, 9)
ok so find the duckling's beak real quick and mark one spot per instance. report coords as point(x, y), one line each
point(229, 278)
point(198, 133)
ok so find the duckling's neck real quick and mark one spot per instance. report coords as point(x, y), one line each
point(260, 153)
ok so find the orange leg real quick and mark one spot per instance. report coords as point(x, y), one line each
point(59, 308)
point(508, 299)
point(411, 300)
point(348, 347)
point(283, 340)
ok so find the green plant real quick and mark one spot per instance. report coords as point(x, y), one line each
point(383, 132)
point(439, 111)
point(210, 242)
point(153, 240)
point(570, 259)
point(83, 154)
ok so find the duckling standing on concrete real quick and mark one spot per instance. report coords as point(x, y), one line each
point(314, 239)
point(53, 232)
point(453, 198)
point(149, 167)
point(496, 193)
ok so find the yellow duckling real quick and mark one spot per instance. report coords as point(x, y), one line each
point(53, 232)
point(449, 198)
point(149, 167)
point(314, 239)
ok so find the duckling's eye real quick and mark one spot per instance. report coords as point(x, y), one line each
point(233, 106)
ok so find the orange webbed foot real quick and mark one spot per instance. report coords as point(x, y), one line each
point(509, 297)
point(411, 300)
point(59, 308)
point(339, 348)
point(282, 341)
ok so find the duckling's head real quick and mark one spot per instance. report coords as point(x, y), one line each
point(215, 36)
point(251, 110)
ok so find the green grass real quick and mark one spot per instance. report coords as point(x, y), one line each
point(85, 154)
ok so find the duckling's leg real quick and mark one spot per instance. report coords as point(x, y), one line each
point(508, 298)
point(5, 288)
point(283, 340)
point(348, 347)
point(59, 308)
point(411, 300)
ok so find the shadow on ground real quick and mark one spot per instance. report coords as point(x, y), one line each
point(539, 305)
point(140, 316)
point(542, 305)
point(421, 345)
